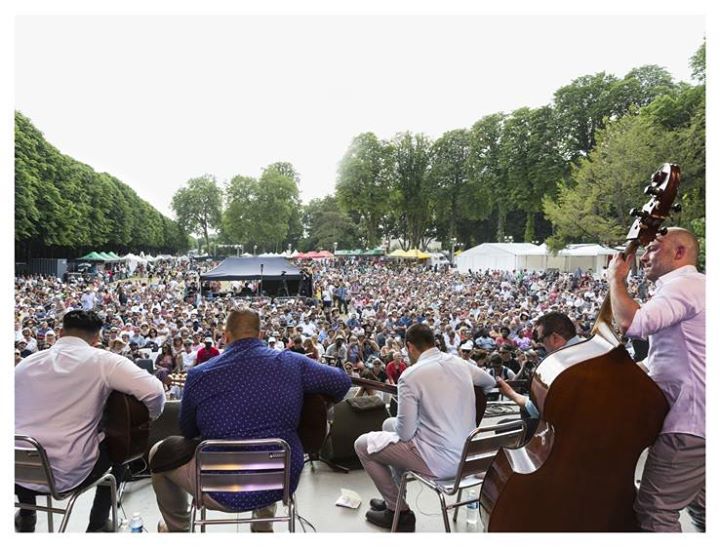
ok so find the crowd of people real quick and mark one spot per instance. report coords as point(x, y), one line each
point(358, 316)
point(373, 318)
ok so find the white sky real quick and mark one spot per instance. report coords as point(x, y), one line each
point(157, 100)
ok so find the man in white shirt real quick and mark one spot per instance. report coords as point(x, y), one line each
point(189, 356)
point(436, 412)
point(674, 323)
point(60, 394)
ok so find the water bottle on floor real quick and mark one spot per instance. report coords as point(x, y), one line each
point(472, 509)
point(136, 523)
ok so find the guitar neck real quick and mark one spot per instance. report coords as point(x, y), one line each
point(372, 384)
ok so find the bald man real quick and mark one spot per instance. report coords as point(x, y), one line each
point(248, 392)
point(674, 323)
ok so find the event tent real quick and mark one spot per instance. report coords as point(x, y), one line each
point(410, 253)
point(501, 256)
point(521, 256)
point(239, 268)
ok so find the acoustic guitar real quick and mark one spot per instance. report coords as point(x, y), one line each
point(126, 423)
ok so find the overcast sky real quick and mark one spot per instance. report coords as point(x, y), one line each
point(157, 100)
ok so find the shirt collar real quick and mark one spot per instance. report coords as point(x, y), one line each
point(428, 353)
point(70, 341)
point(679, 272)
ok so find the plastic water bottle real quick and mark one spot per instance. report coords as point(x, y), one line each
point(472, 509)
point(136, 523)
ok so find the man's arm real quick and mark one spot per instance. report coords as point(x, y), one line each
point(406, 422)
point(319, 378)
point(126, 377)
point(515, 397)
point(188, 408)
point(623, 306)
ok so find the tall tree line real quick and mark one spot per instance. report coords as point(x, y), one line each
point(63, 208)
point(566, 172)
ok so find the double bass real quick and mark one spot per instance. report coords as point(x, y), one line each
point(599, 410)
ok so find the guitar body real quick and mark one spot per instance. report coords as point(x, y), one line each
point(126, 425)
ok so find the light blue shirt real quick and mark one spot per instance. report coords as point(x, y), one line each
point(436, 407)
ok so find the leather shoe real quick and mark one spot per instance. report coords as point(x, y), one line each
point(377, 504)
point(107, 527)
point(384, 519)
point(25, 523)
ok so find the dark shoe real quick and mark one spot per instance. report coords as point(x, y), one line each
point(377, 504)
point(25, 523)
point(106, 527)
point(384, 519)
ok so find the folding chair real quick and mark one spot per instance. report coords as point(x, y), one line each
point(32, 466)
point(481, 446)
point(224, 466)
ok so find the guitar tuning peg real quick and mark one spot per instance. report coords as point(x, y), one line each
point(677, 207)
point(663, 231)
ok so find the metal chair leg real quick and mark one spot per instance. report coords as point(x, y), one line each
point(68, 510)
point(203, 518)
point(113, 501)
point(192, 518)
point(291, 514)
point(457, 507)
point(50, 514)
point(443, 505)
point(401, 495)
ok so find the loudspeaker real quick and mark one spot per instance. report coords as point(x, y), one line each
point(351, 418)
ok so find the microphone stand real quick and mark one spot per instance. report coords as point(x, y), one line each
point(261, 280)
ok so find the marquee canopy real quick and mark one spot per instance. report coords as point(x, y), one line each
point(253, 267)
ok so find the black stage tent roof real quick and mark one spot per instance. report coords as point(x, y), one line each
point(236, 268)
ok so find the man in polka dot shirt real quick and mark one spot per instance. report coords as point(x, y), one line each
point(248, 392)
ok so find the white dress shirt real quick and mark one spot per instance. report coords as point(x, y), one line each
point(60, 394)
point(674, 322)
point(436, 407)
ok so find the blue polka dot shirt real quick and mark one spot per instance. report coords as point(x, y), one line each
point(254, 392)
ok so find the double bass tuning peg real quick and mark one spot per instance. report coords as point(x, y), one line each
point(635, 212)
point(651, 190)
point(663, 231)
point(676, 208)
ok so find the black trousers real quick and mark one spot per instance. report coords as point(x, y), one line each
point(101, 504)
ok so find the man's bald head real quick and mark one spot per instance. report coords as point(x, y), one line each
point(240, 324)
point(685, 245)
point(677, 248)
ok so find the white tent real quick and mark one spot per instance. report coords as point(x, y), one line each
point(526, 256)
point(502, 256)
point(586, 256)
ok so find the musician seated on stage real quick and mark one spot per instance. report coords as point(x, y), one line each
point(436, 412)
point(553, 330)
point(250, 391)
point(60, 394)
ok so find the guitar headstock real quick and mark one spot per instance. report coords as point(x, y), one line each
point(663, 189)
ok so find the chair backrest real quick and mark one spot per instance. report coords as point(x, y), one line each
point(483, 443)
point(234, 466)
point(32, 465)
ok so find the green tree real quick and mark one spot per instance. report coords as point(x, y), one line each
point(325, 224)
point(362, 188)
point(581, 107)
point(606, 185)
point(697, 64)
point(487, 171)
point(454, 193)
point(198, 206)
point(410, 199)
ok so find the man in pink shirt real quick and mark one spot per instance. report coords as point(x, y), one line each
point(674, 323)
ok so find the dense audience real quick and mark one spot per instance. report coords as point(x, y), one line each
point(356, 318)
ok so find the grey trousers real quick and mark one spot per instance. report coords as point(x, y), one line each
point(386, 466)
point(673, 479)
point(172, 491)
